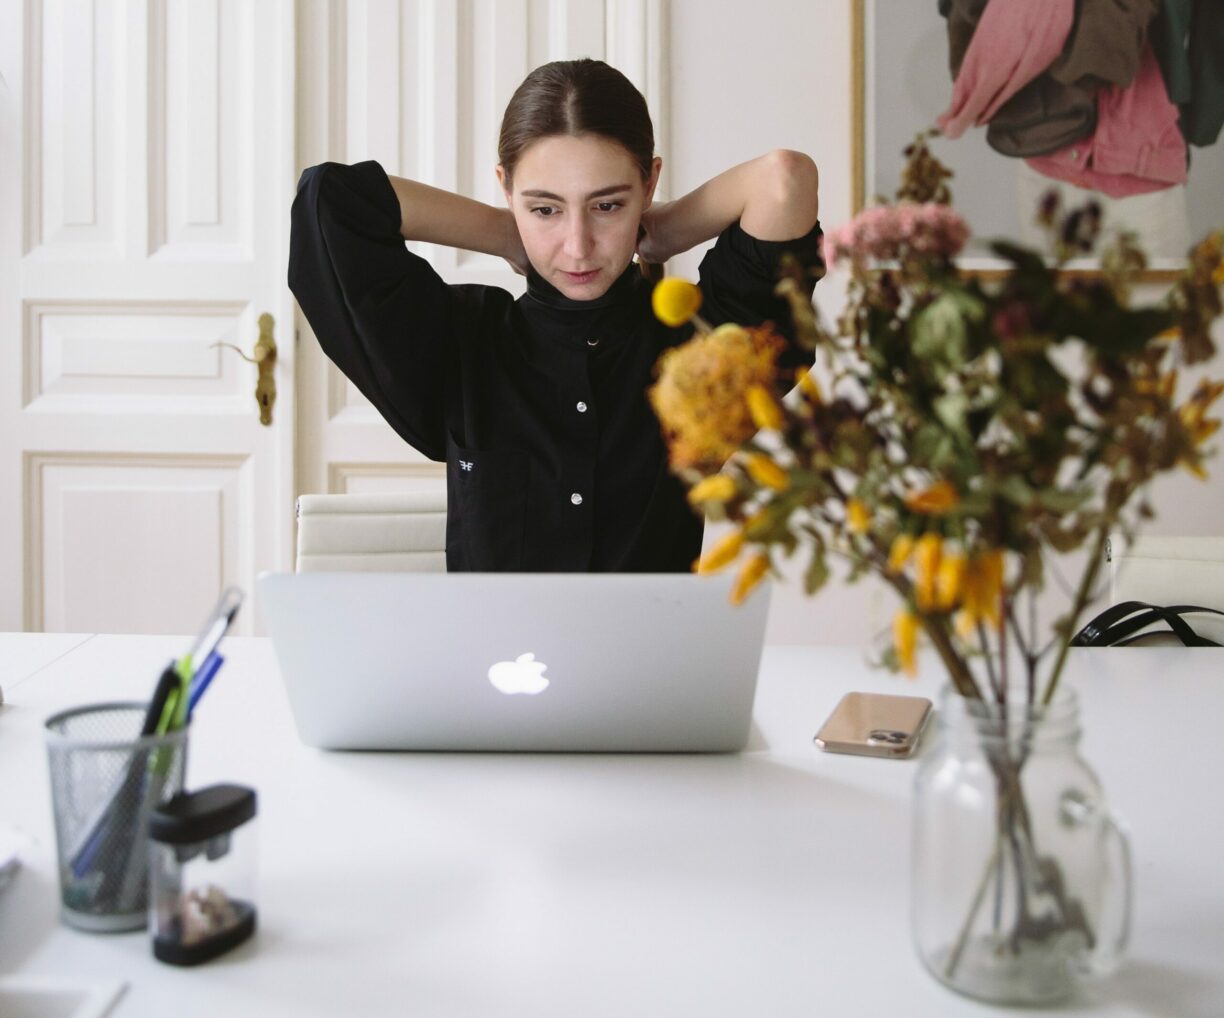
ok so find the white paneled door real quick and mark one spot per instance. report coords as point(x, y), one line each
point(146, 164)
point(149, 153)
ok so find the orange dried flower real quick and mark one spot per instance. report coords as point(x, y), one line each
point(700, 395)
point(937, 500)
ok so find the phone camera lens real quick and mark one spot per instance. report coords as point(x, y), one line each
point(892, 738)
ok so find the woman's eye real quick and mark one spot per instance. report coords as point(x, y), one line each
point(608, 206)
point(544, 211)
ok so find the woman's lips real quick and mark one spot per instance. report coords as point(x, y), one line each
point(582, 277)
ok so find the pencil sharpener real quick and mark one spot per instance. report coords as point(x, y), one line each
point(202, 854)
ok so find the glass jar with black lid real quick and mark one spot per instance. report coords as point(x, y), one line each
point(202, 873)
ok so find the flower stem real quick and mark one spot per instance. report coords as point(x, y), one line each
point(962, 938)
point(1081, 599)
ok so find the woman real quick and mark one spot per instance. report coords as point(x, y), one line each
point(554, 459)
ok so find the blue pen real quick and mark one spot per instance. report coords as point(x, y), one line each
point(203, 676)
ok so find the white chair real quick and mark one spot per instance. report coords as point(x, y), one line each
point(1171, 570)
point(400, 532)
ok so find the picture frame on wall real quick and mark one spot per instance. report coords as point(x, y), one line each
point(902, 82)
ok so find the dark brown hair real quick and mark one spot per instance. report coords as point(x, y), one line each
point(569, 97)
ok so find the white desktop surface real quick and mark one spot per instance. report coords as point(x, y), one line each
point(769, 883)
point(25, 654)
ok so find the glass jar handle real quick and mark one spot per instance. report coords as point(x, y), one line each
point(1113, 931)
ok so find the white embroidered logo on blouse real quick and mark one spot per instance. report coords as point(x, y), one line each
point(465, 465)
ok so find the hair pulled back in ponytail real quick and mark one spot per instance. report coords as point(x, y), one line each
point(570, 97)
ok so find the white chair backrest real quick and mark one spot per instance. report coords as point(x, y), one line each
point(1171, 570)
point(401, 532)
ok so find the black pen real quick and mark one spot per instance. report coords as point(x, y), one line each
point(161, 693)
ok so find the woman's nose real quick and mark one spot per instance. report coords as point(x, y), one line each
point(578, 238)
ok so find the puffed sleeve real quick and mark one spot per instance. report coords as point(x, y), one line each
point(381, 313)
point(738, 276)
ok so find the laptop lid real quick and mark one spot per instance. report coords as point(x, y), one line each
point(504, 661)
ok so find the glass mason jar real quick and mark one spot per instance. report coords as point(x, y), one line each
point(1021, 876)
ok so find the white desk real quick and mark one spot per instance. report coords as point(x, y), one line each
point(768, 884)
point(24, 654)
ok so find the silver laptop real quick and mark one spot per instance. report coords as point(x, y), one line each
point(506, 661)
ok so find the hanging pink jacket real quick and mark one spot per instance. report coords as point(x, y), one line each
point(1011, 45)
point(1137, 147)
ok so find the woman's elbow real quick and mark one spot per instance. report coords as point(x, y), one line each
point(793, 182)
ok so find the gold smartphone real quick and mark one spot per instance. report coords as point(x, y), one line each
point(875, 724)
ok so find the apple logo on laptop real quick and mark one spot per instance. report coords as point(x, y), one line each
point(522, 675)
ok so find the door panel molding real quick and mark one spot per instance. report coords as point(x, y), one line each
point(146, 169)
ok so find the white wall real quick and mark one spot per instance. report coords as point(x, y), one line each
point(780, 76)
point(742, 84)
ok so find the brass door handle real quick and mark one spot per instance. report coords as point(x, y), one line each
point(265, 359)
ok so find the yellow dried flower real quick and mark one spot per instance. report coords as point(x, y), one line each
point(1193, 412)
point(1198, 425)
point(1164, 386)
point(858, 516)
point(757, 522)
point(949, 580)
point(699, 397)
point(905, 640)
point(927, 552)
point(992, 586)
point(808, 385)
point(724, 552)
point(762, 469)
point(937, 500)
point(982, 590)
point(1168, 385)
point(718, 488)
point(675, 301)
point(750, 576)
point(764, 408)
point(900, 552)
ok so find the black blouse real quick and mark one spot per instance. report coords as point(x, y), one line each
point(554, 458)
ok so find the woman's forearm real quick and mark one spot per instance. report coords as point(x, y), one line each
point(774, 197)
point(439, 217)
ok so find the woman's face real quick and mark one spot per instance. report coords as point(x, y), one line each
point(578, 201)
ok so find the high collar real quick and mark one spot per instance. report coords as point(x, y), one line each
point(543, 292)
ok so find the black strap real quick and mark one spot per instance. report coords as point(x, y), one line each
point(1112, 627)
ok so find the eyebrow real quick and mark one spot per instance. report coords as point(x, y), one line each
point(603, 192)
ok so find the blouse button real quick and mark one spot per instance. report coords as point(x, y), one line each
point(592, 342)
point(576, 498)
point(582, 408)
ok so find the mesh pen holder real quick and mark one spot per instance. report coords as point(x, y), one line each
point(105, 781)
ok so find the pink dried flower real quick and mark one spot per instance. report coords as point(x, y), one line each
point(891, 232)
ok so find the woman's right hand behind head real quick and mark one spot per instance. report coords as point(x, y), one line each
point(512, 246)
